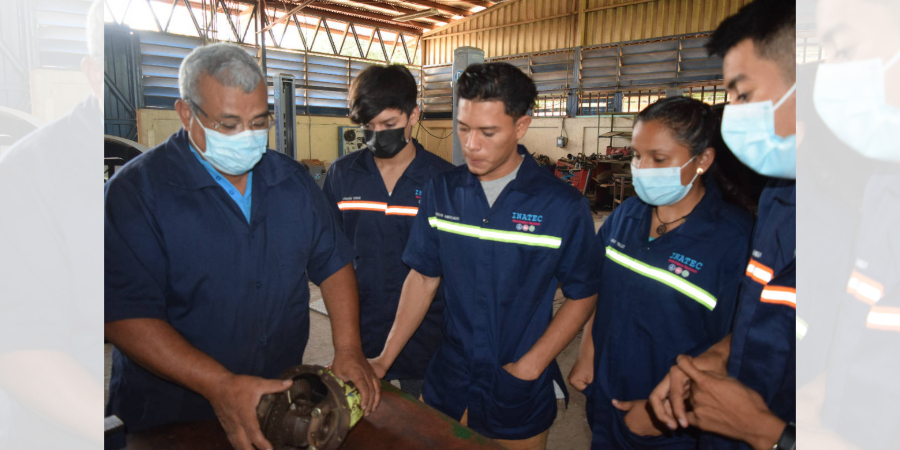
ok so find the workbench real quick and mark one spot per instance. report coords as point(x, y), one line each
point(400, 422)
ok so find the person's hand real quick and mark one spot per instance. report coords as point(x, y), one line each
point(350, 365)
point(522, 371)
point(379, 366)
point(235, 401)
point(582, 373)
point(638, 418)
point(723, 405)
point(667, 399)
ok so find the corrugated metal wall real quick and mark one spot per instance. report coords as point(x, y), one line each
point(527, 26)
point(539, 25)
point(609, 23)
point(322, 81)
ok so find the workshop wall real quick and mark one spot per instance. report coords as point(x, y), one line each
point(318, 132)
point(527, 26)
point(55, 92)
point(541, 136)
point(156, 125)
point(440, 129)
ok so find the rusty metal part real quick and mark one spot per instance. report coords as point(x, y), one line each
point(314, 414)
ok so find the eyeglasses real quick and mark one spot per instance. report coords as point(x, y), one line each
point(234, 126)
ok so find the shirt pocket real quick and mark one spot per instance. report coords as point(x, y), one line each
point(292, 257)
point(512, 399)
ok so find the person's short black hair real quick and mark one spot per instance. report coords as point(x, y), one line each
point(770, 24)
point(692, 122)
point(378, 88)
point(498, 81)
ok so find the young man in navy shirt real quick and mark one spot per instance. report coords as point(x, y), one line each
point(742, 391)
point(376, 194)
point(502, 234)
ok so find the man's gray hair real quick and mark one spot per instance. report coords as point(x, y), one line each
point(95, 30)
point(230, 64)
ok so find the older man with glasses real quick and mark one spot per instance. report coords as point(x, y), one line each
point(210, 242)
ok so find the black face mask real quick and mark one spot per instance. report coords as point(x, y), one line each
point(386, 143)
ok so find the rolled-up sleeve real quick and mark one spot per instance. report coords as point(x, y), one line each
point(330, 189)
point(578, 268)
point(422, 252)
point(331, 250)
point(134, 255)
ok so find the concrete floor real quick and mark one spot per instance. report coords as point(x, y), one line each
point(570, 431)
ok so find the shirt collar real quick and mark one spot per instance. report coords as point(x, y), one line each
point(186, 171)
point(364, 162)
point(701, 223)
point(523, 182)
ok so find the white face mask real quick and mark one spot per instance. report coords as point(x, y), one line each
point(234, 154)
point(749, 131)
point(661, 186)
point(850, 99)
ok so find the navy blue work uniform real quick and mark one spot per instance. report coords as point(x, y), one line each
point(179, 249)
point(501, 266)
point(862, 398)
point(378, 224)
point(658, 299)
point(763, 343)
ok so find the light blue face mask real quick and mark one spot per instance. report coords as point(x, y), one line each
point(860, 117)
point(749, 131)
point(660, 186)
point(234, 154)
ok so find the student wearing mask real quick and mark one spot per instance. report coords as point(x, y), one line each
point(668, 283)
point(375, 193)
point(210, 244)
point(741, 391)
point(853, 403)
point(501, 234)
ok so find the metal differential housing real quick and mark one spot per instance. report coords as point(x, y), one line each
point(316, 413)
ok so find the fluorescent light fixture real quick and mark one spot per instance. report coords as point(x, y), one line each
point(478, 9)
point(417, 15)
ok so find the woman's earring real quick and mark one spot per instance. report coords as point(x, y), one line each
point(699, 171)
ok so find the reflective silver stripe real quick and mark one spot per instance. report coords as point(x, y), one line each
point(668, 278)
point(512, 237)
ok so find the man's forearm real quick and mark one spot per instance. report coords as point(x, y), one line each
point(159, 348)
point(570, 318)
point(586, 348)
point(341, 296)
point(719, 354)
point(415, 299)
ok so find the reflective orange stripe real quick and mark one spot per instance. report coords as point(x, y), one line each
point(884, 318)
point(362, 205)
point(779, 295)
point(759, 272)
point(401, 211)
point(864, 288)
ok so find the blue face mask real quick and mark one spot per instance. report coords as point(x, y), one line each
point(662, 186)
point(234, 154)
point(749, 131)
